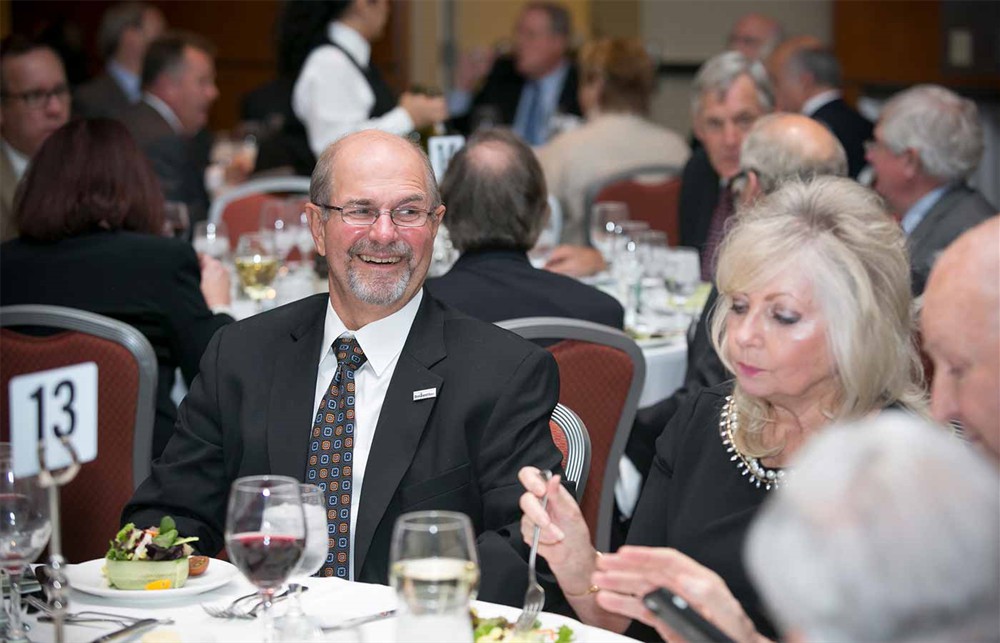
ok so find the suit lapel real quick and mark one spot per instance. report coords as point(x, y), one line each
point(401, 423)
point(289, 414)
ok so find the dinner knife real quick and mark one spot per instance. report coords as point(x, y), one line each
point(128, 631)
point(358, 621)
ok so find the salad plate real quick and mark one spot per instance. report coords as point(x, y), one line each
point(89, 578)
point(550, 628)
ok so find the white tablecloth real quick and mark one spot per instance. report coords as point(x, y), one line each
point(328, 600)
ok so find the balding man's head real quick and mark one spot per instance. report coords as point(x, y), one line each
point(800, 68)
point(784, 146)
point(755, 35)
point(961, 326)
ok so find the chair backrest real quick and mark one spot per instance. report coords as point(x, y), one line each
point(570, 436)
point(240, 207)
point(601, 373)
point(126, 399)
point(652, 193)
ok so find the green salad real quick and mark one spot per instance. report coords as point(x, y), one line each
point(500, 629)
point(153, 558)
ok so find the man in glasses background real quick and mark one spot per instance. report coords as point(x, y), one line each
point(34, 102)
point(385, 398)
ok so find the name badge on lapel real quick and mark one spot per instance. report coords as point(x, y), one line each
point(425, 394)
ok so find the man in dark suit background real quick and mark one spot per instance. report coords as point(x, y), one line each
point(806, 79)
point(927, 142)
point(526, 90)
point(496, 195)
point(178, 81)
point(126, 31)
point(447, 408)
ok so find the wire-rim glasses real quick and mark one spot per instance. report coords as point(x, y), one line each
point(404, 216)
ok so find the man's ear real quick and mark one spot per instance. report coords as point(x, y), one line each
point(317, 227)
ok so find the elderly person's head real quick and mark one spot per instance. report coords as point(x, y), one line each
point(926, 137)
point(541, 38)
point(800, 68)
point(730, 92)
point(780, 147)
point(616, 75)
point(889, 533)
point(814, 314)
point(88, 176)
point(960, 321)
point(495, 192)
point(755, 35)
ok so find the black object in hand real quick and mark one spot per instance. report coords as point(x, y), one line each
point(682, 618)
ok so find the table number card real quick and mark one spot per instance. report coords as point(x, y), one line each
point(50, 404)
point(440, 149)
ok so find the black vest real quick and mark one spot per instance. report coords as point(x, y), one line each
point(385, 98)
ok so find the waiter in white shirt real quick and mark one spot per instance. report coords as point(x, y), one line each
point(339, 91)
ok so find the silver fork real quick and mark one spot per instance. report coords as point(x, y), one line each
point(86, 616)
point(534, 597)
point(238, 609)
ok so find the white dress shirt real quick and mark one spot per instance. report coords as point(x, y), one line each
point(333, 98)
point(382, 342)
point(814, 104)
point(163, 110)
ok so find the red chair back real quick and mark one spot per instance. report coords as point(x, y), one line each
point(655, 201)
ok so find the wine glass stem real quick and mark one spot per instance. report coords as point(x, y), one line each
point(15, 629)
point(266, 616)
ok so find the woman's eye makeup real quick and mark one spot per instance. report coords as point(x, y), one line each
point(786, 317)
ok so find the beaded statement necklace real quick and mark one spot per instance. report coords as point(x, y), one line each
point(757, 473)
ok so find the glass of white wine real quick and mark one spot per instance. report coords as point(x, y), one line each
point(435, 572)
point(257, 265)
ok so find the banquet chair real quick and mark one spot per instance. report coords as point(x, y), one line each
point(601, 373)
point(571, 438)
point(240, 207)
point(38, 338)
point(652, 194)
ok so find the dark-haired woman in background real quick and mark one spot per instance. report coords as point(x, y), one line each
point(90, 212)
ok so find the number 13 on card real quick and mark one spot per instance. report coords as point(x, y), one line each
point(49, 405)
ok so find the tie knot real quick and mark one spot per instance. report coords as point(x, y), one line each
point(348, 352)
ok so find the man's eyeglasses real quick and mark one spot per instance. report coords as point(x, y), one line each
point(39, 98)
point(405, 216)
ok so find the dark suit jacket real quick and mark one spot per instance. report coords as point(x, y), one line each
point(698, 198)
point(150, 282)
point(502, 91)
point(494, 285)
point(958, 209)
point(251, 410)
point(851, 129)
point(100, 97)
point(179, 161)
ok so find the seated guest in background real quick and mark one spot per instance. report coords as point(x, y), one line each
point(960, 321)
point(927, 142)
point(778, 148)
point(90, 214)
point(496, 198)
point(178, 81)
point(814, 321)
point(125, 33)
point(339, 91)
point(34, 102)
point(617, 81)
point(755, 36)
point(526, 90)
point(806, 79)
point(448, 407)
point(896, 542)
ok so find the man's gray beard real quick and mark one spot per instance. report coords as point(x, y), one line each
point(378, 292)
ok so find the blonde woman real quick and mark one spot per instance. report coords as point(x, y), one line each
point(813, 321)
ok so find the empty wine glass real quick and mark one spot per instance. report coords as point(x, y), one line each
point(435, 572)
point(304, 241)
point(257, 266)
point(265, 534)
point(604, 219)
point(279, 219)
point(295, 625)
point(24, 531)
point(176, 221)
point(211, 239)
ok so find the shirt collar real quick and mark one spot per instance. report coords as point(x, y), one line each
point(381, 340)
point(163, 110)
point(18, 161)
point(129, 82)
point(352, 42)
point(918, 211)
point(551, 83)
point(813, 105)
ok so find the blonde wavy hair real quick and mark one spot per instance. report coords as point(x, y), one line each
point(854, 254)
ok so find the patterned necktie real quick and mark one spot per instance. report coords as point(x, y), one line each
point(330, 454)
point(716, 230)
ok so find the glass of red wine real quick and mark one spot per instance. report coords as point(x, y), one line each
point(265, 535)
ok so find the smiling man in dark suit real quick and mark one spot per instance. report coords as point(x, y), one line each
point(444, 410)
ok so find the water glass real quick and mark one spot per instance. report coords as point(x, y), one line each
point(435, 572)
point(211, 239)
point(265, 534)
point(25, 528)
point(604, 220)
point(280, 218)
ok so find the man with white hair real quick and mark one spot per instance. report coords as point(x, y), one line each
point(895, 542)
point(927, 142)
point(960, 321)
point(755, 35)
